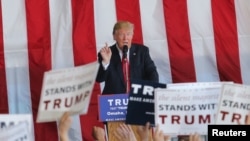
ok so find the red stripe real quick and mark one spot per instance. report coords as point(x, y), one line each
point(130, 10)
point(4, 108)
point(39, 50)
point(84, 47)
point(226, 40)
point(179, 43)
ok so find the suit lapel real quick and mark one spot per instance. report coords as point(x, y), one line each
point(132, 56)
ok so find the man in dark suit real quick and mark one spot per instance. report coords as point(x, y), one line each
point(141, 66)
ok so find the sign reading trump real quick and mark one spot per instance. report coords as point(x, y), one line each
point(185, 111)
point(66, 90)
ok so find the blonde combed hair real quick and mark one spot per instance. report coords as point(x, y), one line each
point(122, 24)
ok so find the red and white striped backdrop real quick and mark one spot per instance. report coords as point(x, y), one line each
point(189, 40)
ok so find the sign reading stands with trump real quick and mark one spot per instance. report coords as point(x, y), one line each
point(67, 89)
point(234, 105)
point(186, 111)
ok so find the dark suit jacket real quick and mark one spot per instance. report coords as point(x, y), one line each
point(142, 67)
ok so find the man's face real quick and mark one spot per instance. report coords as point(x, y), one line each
point(123, 37)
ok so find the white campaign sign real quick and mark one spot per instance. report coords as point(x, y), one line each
point(234, 105)
point(186, 111)
point(197, 85)
point(9, 121)
point(66, 90)
point(19, 132)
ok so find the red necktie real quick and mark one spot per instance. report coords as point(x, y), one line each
point(125, 68)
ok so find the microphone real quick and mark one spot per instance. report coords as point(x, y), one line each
point(124, 51)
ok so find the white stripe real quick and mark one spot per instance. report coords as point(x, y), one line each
point(242, 8)
point(61, 33)
point(154, 36)
point(62, 48)
point(16, 56)
point(202, 38)
point(105, 18)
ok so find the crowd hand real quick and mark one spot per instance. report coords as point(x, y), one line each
point(144, 131)
point(159, 136)
point(64, 125)
point(124, 133)
point(247, 121)
point(98, 133)
point(106, 54)
point(195, 137)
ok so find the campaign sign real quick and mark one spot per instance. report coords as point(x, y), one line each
point(186, 111)
point(112, 107)
point(141, 102)
point(186, 85)
point(234, 105)
point(67, 89)
point(10, 123)
point(18, 132)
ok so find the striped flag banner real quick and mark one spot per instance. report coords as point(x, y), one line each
point(189, 40)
